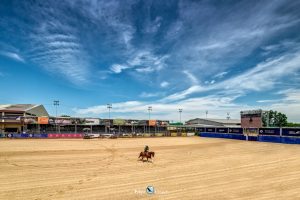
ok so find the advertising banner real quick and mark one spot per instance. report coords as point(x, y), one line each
point(173, 134)
point(29, 120)
point(236, 130)
point(43, 120)
point(119, 122)
point(142, 123)
point(222, 130)
point(106, 122)
point(291, 131)
point(269, 131)
point(63, 121)
point(162, 123)
point(152, 122)
point(92, 121)
point(10, 117)
point(210, 130)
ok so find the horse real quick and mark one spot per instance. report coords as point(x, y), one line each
point(147, 155)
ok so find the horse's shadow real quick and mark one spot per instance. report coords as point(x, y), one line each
point(145, 161)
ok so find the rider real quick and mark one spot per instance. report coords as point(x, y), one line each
point(146, 149)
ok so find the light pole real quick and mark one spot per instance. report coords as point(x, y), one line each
point(228, 115)
point(206, 112)
point(109, 106)
point(180, 111)
point(56, 104)
point(149, 110)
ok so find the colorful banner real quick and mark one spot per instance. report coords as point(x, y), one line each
point(119, 122)
point(152, 122)
point(65, 135)
point(43, 120)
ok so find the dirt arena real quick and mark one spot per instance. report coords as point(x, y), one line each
point(183, 168)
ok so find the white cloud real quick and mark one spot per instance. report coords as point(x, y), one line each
point(148, 95)
point(191, 77)
point(289, 104)
point(261, 77)
point(116, 68)
point(183, 94)
point(217, 106)
point(267, 100)
point(164, 84)
point(145, 70)
point(12, 55)
point(220, 75)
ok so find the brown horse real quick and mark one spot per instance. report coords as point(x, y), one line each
point(147, 155)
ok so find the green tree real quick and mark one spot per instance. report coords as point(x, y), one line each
point(280, 119)
point(274, 119)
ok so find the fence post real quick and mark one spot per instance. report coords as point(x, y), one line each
point(280, 132)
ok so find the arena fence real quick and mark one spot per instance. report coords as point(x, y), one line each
point(277, 135)
point(93, 135)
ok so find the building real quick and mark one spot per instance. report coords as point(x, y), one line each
point(252, 119)
point(214, 122)
point(11, 115)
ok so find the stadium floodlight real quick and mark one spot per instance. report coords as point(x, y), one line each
point(180, 111)
point(149, 110)
point(228, 115)
point(56, 104)
point(109, 106)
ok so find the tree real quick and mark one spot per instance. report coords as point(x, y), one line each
point(280, 120)
point(274, 119)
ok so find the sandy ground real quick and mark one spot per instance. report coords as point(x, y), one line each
point(183, 168)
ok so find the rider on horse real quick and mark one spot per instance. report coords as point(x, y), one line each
point(146, 149)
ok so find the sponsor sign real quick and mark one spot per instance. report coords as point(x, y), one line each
point(152, 122)
point(119, 122)
point(63, 121)
point(291, 131)
point(236, 130)
point(92, 121)
point(43, 120)
point(174, 134)
point(29, 120)
point(210, 130)
point(269, 131)
point(222, 130)
point(142, 123)
point(10, 117)
point(189, 134)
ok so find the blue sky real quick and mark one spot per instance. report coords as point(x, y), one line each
point(219, 56)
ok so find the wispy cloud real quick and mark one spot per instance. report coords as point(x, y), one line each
point(164, 84)
point(13, 56)
point(116, 68)
point(263, 76)
point(220, 75)
point(193, 80)
point(148, 95)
